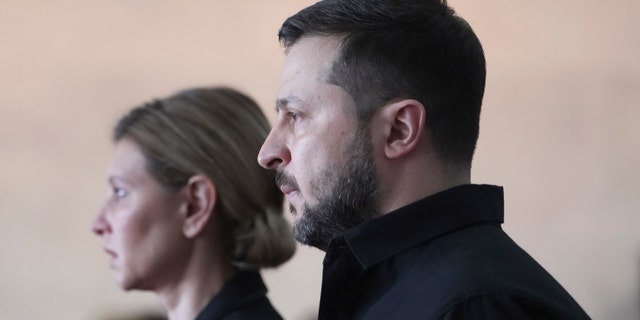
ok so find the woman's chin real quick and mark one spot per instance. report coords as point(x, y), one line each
point(125, 283)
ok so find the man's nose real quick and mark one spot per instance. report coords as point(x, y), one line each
point(274, 153)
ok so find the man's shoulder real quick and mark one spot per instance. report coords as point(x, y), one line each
point(474, 261)
point(480, 258)
point(511, 306)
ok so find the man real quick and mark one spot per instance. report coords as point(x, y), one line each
point(378, 116)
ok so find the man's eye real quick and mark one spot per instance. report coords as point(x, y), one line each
point(292, 115)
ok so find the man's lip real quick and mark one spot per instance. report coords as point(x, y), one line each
point(286, 189)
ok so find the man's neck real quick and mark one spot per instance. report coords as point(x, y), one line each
point(416, 179)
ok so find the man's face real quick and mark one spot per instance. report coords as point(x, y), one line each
point(324, 162)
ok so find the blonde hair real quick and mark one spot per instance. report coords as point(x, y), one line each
point(217, 132)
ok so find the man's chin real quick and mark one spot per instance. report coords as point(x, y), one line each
point(307, 233)
point(295, 213)
point(296, 221)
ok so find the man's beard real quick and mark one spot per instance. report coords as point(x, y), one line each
point(348, 196)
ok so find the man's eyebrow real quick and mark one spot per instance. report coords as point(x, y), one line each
point(283, 102)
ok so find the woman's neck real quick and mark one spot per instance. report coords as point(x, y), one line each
point(203, 279)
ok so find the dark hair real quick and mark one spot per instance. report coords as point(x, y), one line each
point(217, 132)
point(418, 49)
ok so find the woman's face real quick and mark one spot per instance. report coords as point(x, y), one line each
point(141, 223)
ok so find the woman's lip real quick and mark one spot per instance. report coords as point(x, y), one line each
point(109, 251)
point(112, 261)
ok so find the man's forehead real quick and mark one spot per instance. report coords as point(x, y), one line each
point(314, 52)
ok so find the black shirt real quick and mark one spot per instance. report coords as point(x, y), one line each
point(242, 298)
point(443, 257)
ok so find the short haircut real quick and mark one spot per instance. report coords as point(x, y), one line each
point(417, 49)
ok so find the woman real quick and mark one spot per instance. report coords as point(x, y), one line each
point(192, 216)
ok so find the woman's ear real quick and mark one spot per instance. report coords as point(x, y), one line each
point(403, 123)
point(201, 201)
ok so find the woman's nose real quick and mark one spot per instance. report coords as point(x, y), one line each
point(100, 224)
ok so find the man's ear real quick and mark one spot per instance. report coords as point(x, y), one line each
point(404, 123)
point(201, 201)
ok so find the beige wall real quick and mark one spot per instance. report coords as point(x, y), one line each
point(558, 131)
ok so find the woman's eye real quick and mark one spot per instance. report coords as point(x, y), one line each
point(119, 193)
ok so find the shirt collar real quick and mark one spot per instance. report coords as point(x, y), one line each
point(245, 287)
point(426, 219)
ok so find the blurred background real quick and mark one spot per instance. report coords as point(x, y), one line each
point(559, 131)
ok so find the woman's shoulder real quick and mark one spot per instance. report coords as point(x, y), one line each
point(242, 298)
